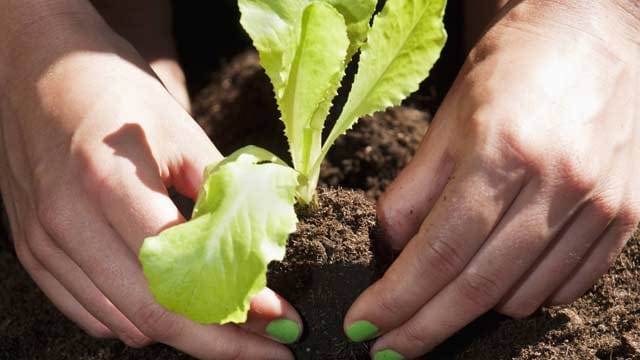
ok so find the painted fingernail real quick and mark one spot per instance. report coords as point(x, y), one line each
point(387, 354)
point(361, 330)
point(284, 330)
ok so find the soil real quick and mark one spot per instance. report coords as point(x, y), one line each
point(330, 260)
point(603, 324)
point(372, 155)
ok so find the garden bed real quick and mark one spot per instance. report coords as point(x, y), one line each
point(603, 324)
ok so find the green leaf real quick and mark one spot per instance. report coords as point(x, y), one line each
point(357, 15)
point(403, 44)
point(313, 82)
point(275, 28)
point(273, 25)
point(304, 47)
point(208, 268)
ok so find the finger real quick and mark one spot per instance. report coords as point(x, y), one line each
point(137, 205)
point(513, 247)
point(59, 296)
point(80, 287)
point(598, 261)
point(274, 317)
point(118, 274)
point(451, 234)
point(410, 197)
point(31, 237)
point(558, 262)
point(69, 284)
point(148, 211)
point(187, 171)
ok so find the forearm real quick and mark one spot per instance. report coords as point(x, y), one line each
point(34, 34)
point(148, 26)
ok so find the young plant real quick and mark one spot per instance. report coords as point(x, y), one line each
point(208, 268)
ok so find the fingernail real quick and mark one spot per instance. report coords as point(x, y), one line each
point(387, 354)
point(361, 330)
point(284, 330)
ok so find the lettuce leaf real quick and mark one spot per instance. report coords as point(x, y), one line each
point(304, 47)
point(357, 15)
point(313, 82)
point(275, 28)
point(208, 268)
point(403, 44)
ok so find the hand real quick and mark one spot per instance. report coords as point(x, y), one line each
point(89, 143)
point(525, 189)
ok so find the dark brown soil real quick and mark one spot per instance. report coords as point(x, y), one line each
point(603, 324)
point(370, 156)
point(330, 260)
point(238, 108)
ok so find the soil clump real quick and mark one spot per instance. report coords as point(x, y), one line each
point(329, 261)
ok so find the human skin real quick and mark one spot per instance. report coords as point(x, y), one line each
point(90, 140)
point(526, 187)
point(148, 26)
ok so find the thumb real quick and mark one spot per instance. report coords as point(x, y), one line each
point(196, 153)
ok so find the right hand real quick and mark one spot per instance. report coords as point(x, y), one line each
point(90, 141)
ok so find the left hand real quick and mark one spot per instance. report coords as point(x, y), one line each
point(526, 187)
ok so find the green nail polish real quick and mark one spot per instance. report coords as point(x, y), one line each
point(387, 354)
point(284, 330)
point(361, 330)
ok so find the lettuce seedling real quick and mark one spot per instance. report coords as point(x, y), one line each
point(209, 267)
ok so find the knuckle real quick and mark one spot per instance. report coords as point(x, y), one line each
point(518, 309)
point(238, 352)
point(38, 244)
point(49, 215)
point(99, 332)
point(154, 322)
point(441, 255)
point(521, 148)
point(95, 173)
point(135, 340)
point(396, 220)
point(563, 299)
point(414, 337)
point(26, 258)
point(232, 350)
point(387, 303)
point(577, 176)
point(55, 214)
point(479, 289)
point(604, 207)
point(477, 125)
